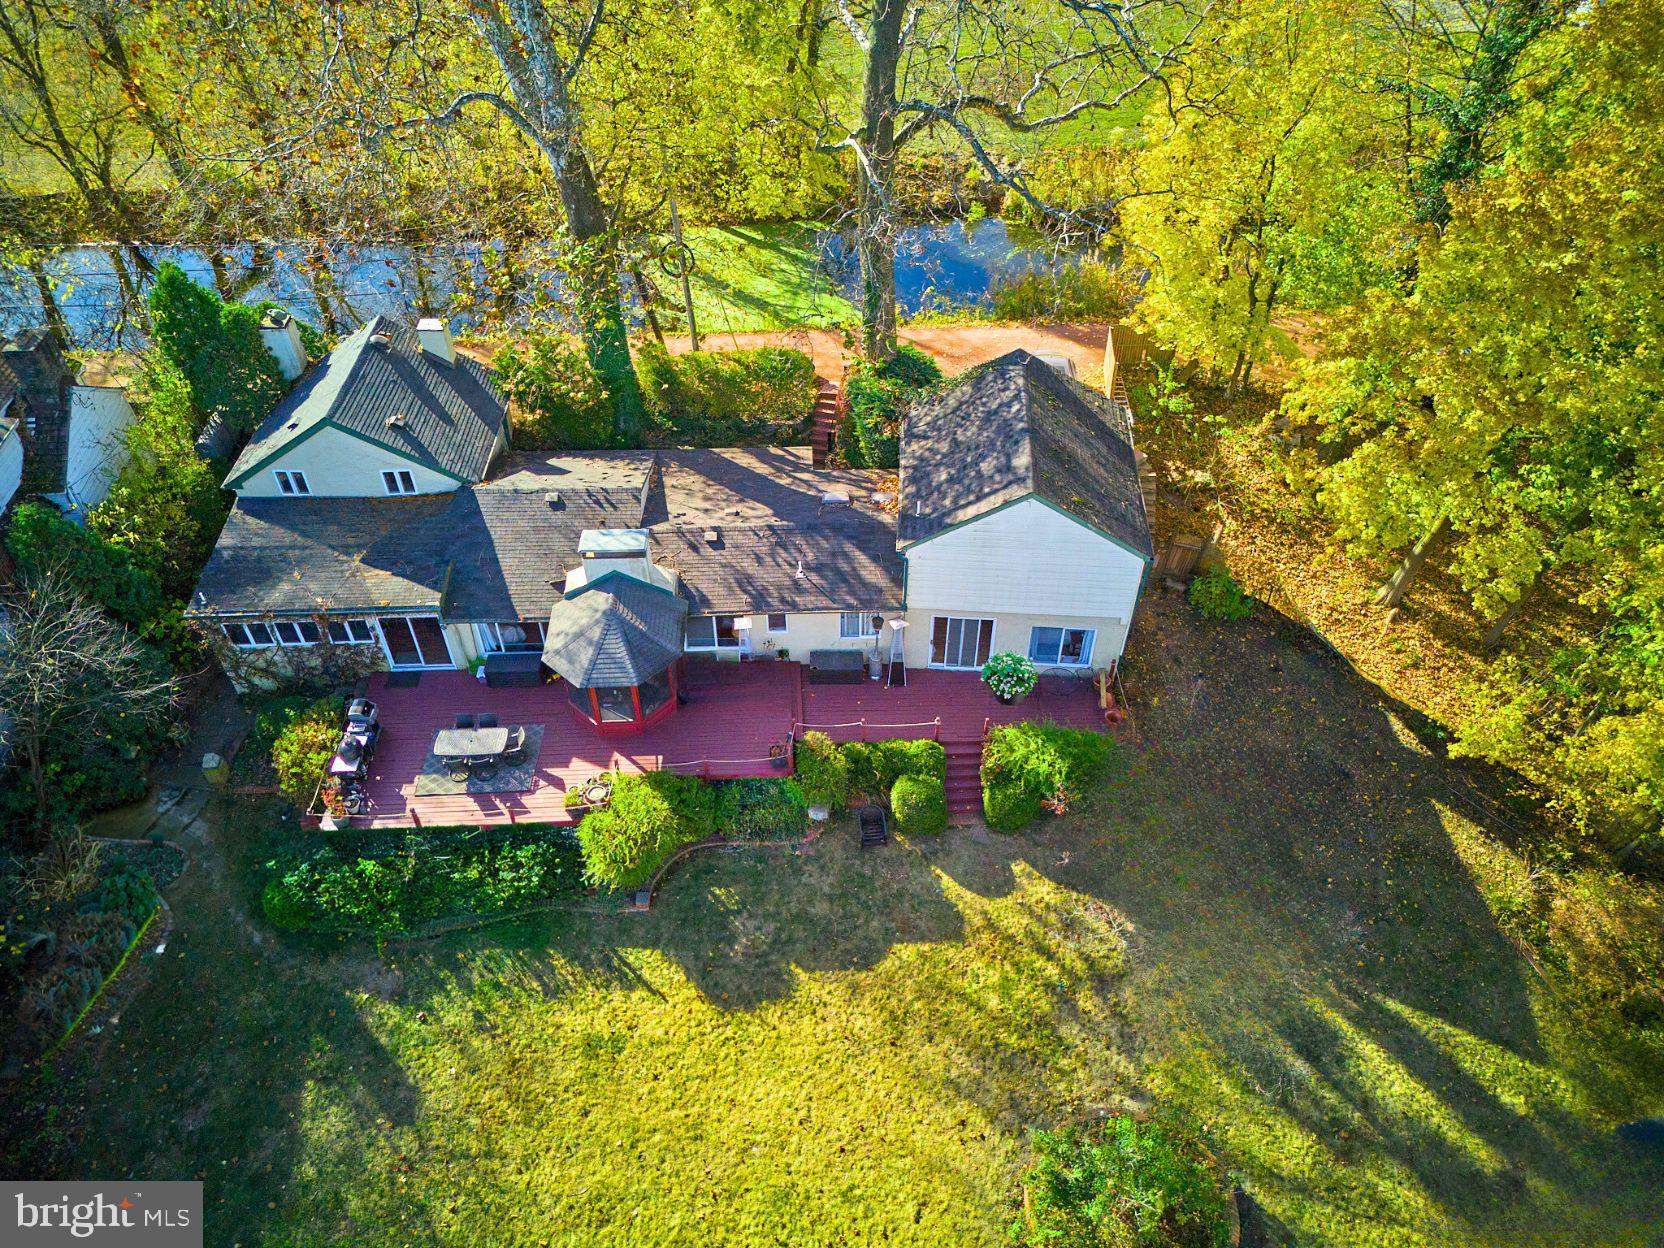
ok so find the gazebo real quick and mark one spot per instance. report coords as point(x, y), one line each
point(615, 641)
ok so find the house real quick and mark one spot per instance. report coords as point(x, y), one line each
point(72, 437)
point(424, 544)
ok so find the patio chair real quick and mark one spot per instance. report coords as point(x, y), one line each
point(487, 720)
point(464, 721)
point(515, 751)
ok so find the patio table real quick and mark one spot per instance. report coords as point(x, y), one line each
point(470, 742)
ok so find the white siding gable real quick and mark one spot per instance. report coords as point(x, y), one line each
point(11, 463)
point(1027, 561)
point(339, 465)
point(99, 417)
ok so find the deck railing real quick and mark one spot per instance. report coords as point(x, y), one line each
point(866, 725)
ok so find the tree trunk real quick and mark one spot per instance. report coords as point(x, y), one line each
point(646, 294)
point(526, 47)
point(49, 303)
point(1392, 593)
point(875, 225)
point(150, 117)
point(1493, 637)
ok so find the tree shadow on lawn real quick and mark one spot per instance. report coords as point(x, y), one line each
point(1307, 930)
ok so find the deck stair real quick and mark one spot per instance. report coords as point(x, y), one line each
point(964, 782)
point(828, 408)
point(875, 828)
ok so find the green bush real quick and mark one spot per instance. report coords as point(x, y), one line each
point(1010, 675)
point(216, 346)
point(761, 809)
point(1218, 597)
point(1125, 1184)
point(875, 766)
point(39, 538)
point(920, 805)
point(728, 398)
point(386, 886)
point(650, 817)
point(1030, 767)
point(126, 891)
point(878, 398)
point(561, 404)
point(303, 748)
point(166, 508)
point(822, 770)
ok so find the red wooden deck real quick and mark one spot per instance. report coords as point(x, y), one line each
point(959, 698)
point(734, 714)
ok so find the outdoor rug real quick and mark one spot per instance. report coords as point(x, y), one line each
point(434, 780)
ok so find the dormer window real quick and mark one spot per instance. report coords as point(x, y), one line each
point(399, 482)
point(291, 481)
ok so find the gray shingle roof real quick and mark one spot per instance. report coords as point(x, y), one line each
point(309, 555)
point(452, 414)
point(1016, 427)
point(614, 631)
point(501, 549)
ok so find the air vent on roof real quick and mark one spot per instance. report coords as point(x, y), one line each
point(396, 421)
point(712, 537)
point(882, 498)
point(382, 340)
point(553, 498)
point(833, 497)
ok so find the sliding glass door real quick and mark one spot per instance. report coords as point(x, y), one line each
point(960, 643)
point(415, 641)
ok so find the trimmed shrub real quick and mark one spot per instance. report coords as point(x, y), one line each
point(1218, 597)
point(1127, 1184)
point(761, 809)
point(303, 748)
point(920, 805)
point(875, 766)
point(650, 817)
point(561, 403)
point(728, 398)
point(381, 888)
point(1027, 768)
point(822, 771)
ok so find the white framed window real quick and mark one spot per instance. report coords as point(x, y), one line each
point(1061, 647)
point(295, 632)
point(351, 632)
point(252, 635)
point(291, 481)
point(398, 481)
point(514, 636)
point(712, 632)
point(777, 622)
point(960, 643)
point(855, 624)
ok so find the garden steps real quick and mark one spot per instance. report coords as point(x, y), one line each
point(963, 787)
point(825, 427)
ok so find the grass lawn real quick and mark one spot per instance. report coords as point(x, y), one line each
point(1276, 919)
point(752, 277)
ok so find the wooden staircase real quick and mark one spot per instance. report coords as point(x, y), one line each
point(828, 410)
point(964, 782)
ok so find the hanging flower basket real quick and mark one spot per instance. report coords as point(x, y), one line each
point(1009, 676)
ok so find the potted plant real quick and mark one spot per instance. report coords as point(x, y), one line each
point(1009, 676)
point(777, 756)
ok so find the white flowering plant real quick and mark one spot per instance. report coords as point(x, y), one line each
point(1009, 676)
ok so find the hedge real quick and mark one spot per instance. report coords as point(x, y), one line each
point(649, 818)
point(878, 398)
point(766, 809)
point(1028, 768)
point(920, 805)
point(728, 398)
point(822, 770)
point(410, 879)
point(875, 766)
